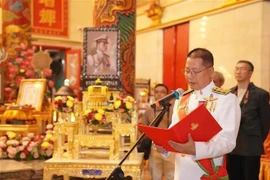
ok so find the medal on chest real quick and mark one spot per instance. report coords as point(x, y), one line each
point(210, 102)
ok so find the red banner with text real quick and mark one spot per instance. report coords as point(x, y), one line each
point(50, 17)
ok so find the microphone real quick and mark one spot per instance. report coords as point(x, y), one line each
point(175, 94)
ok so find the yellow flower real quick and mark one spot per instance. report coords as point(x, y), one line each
point(22, 70)
point(69, 103)
point(128, 105)
point(98, 116)
point(57, 98)
point(48, 137)
point(117, 104)
point(11, 135)
point(101, 111)
point(129, 98)
point(70, 98)
point(45, 144)
point(87, 112)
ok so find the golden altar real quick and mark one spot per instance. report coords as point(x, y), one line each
point(40, 118)
point(92, 168)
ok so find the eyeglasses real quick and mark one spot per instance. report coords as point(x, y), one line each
point(240, 69)
point(193, 73)
point(161, 92)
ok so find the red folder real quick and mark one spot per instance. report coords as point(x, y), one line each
point(199, 123)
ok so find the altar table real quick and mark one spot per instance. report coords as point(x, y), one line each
point(92, 168)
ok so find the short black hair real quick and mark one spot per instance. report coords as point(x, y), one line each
point(203, 53)
point(251, 67)
point(163, 85)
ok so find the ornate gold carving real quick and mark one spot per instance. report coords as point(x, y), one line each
point(41, 60)
point(64, 139)
point(106, 9)
point(74, 168)
point(13, 35)
point(155, 13)
point(124, 130)
point(90, 140)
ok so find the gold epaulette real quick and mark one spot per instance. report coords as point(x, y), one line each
point(221, 90)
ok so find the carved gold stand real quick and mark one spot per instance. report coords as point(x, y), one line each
point(64, 138)
point(95, 141)
point(124, 130)
point(92, 168)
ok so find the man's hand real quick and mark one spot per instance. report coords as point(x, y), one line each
point(186, 148)
point(160, 149)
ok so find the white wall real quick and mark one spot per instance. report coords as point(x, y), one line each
point(241, 32)
point(149, 56)
point(235, 35)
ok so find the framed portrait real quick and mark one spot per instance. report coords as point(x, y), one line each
point(101, 57)
point(31, 92)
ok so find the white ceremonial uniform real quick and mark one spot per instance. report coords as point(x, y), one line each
point(226, 110)
point(99, 62)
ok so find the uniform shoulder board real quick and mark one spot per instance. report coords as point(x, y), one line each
point(188, 92)
point(221, 90)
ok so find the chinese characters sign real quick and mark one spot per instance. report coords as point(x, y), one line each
point(50, 17)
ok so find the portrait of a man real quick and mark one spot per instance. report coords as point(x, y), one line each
point(101, 56)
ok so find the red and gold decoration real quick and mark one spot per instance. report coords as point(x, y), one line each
point(120, 14)
point(50, 17)
point(155, 13)
point(16, 24)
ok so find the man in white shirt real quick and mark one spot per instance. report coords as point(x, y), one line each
point(193, 157)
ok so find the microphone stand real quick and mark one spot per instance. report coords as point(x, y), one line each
point(117, 173)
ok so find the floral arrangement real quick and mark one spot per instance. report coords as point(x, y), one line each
point(15, 146)
point(64, 103)
point(94, 116)
point(124, 104)
point(19, 68)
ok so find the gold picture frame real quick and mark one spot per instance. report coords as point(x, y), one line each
point(31, 92)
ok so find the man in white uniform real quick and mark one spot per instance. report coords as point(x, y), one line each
point(193, 157)
point(99, 62)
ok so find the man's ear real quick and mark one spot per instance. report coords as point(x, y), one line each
point(250, 73)
point(211, 70)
